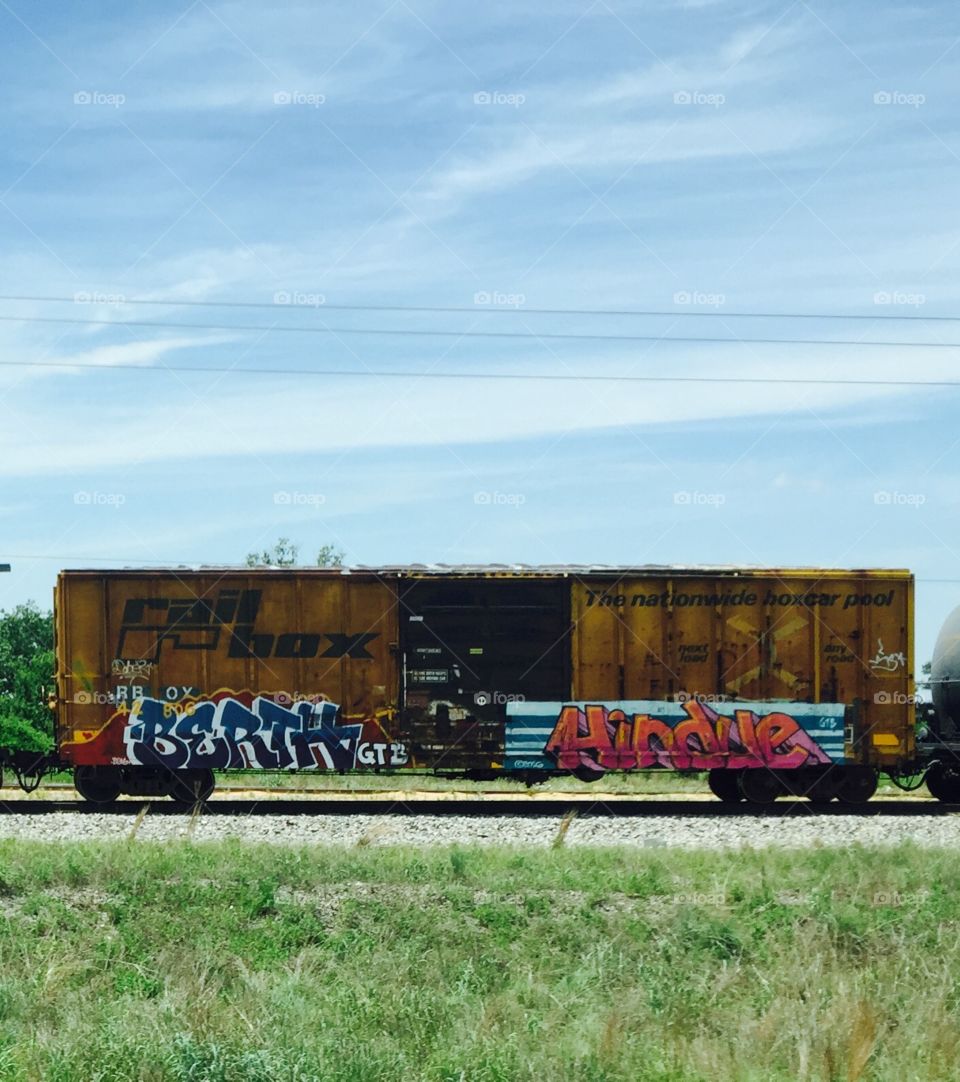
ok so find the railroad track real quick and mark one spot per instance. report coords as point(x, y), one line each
point(472, 794)
point(408, 805)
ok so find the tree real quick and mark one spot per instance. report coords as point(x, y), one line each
point(285, 552)
point(26, 677)
point(330, 556)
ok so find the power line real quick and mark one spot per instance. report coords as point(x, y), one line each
point(477, 309)
point(531, 376)
point(530, 336)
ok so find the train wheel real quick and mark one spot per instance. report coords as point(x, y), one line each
point(759, 786)
point(943, 781)
point(824, 789)
point(725, 784)
point(192, 786)
point(96, 784)
point(857, 784)
point(587, 773)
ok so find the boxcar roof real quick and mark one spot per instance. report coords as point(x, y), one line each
point(519, 570)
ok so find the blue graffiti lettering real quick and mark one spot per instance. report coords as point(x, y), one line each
point(230, 734)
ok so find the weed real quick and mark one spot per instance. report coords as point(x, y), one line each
point(190, 961)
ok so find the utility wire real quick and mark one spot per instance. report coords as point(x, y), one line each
point(529, 336)
point(532, 376)
point(476, 309)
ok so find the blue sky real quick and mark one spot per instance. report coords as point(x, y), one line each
point(683, 157)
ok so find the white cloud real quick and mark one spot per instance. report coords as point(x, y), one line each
point(293, 417)
point(686, 136)
point(749, 56)
point(140, 353)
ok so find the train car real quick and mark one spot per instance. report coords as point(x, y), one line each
point(774, 680)
point(941, 744)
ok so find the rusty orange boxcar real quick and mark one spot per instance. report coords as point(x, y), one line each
point(774, 680)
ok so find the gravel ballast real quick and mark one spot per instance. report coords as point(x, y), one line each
point(647, 832)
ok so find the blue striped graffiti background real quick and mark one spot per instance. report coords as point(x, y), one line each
point(529, 724)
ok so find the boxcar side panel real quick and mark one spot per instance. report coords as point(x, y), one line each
point(318, 669)
point(887, 680)
point(268, 670)
point(774, 636)
point(82, 677)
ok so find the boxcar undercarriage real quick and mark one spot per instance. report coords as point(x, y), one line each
point(851, 785)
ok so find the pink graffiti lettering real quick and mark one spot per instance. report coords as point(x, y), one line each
point(601, 739)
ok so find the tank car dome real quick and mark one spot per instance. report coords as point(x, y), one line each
point(945, 675)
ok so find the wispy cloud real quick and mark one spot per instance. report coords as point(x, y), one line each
point(607, 147)
point(796, 192)
point(141, 353)
point(291, 417)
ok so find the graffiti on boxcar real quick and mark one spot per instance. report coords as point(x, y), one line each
point(597, 738)
point(242, 730)
point(884, 662)
point(229, 619)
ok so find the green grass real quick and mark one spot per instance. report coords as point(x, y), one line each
point(229, 962)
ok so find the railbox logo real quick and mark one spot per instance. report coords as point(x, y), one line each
point(230, 619)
